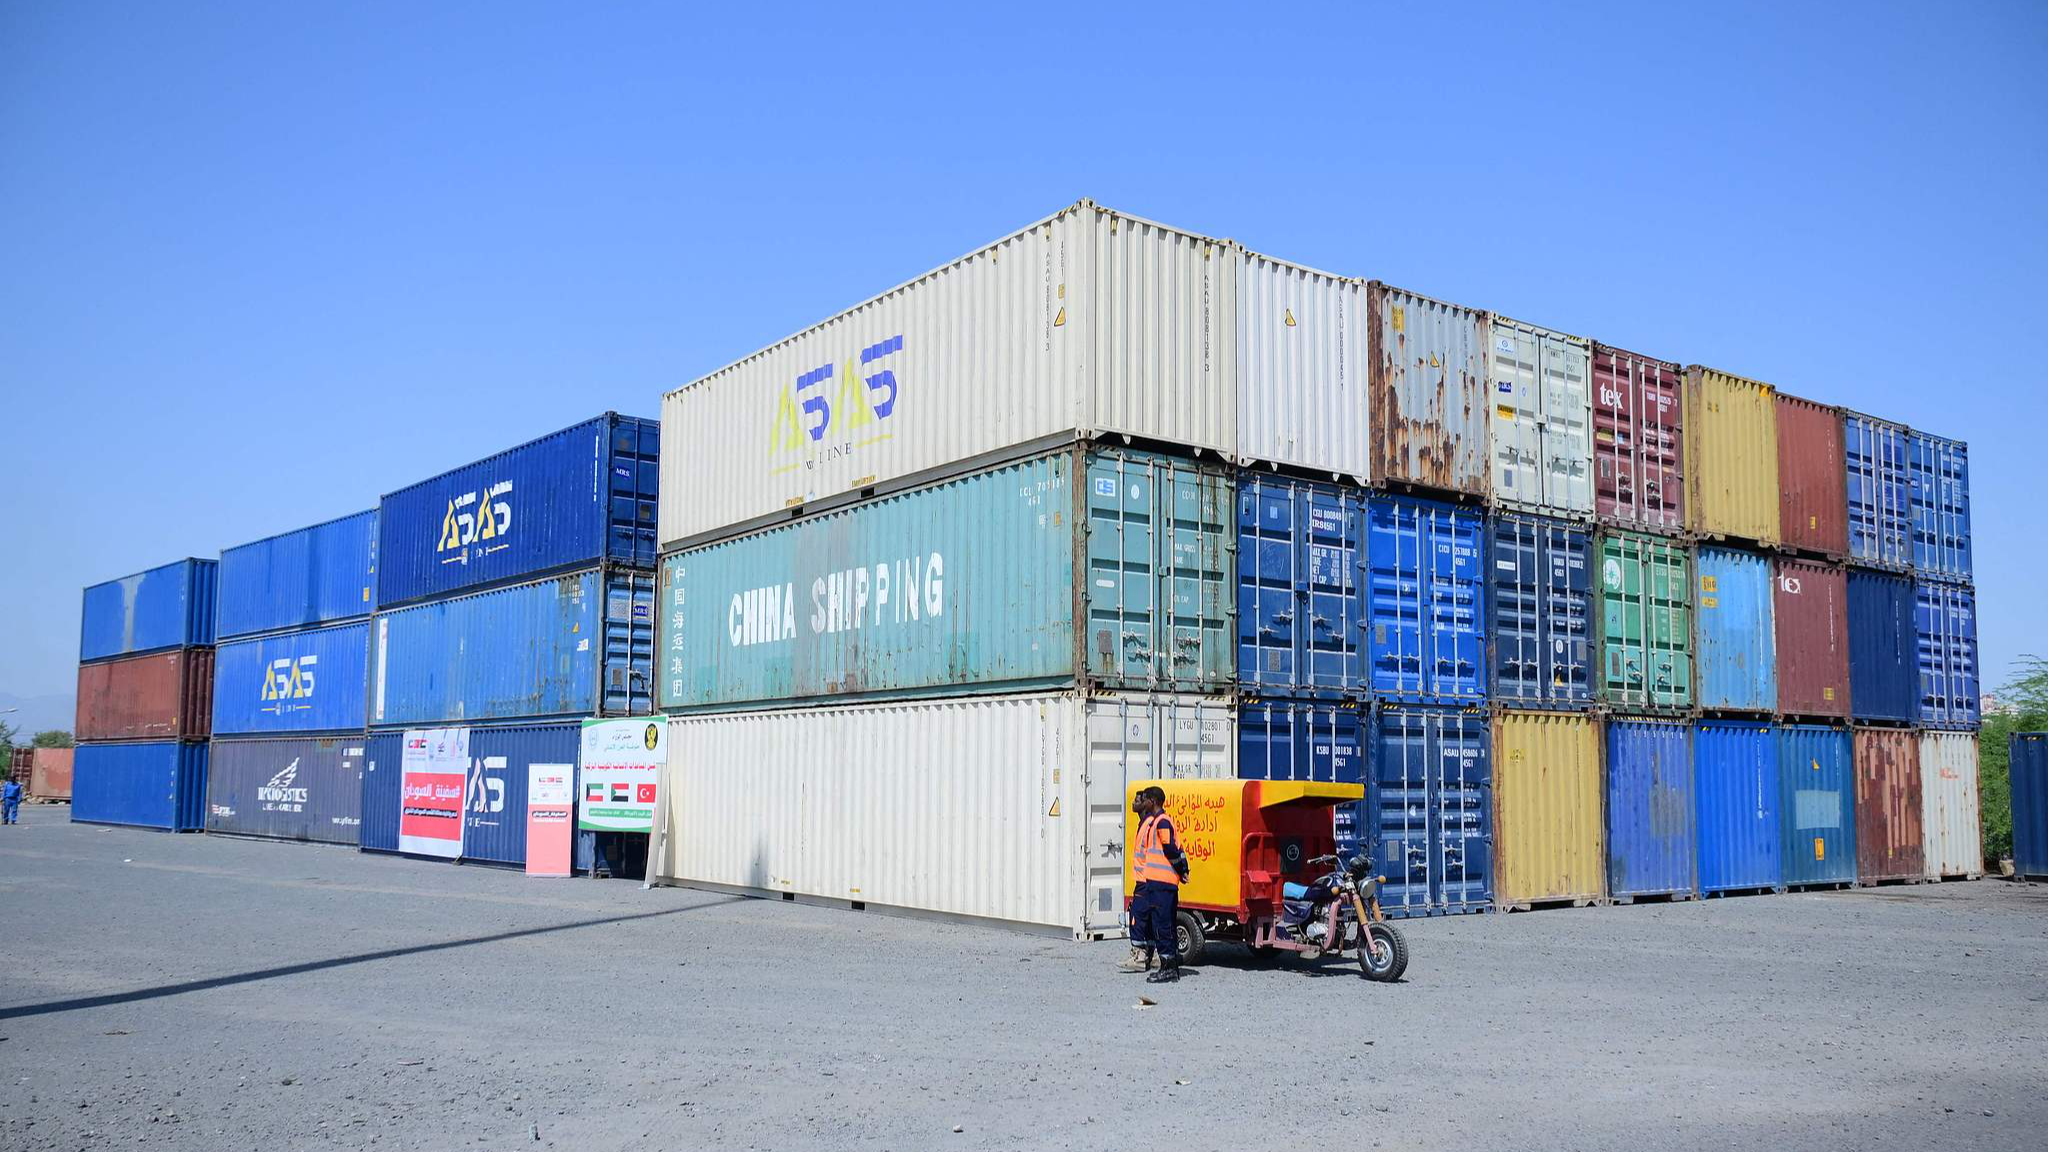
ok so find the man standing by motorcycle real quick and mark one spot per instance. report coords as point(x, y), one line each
point(1158, 866)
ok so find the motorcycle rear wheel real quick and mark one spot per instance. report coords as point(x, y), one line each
point(1383, 953)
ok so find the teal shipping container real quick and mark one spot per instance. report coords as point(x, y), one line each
point(1114, 567)
point(1816, 805)
point(1735, 645)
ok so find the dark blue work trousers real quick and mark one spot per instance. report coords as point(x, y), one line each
point(1152, 910)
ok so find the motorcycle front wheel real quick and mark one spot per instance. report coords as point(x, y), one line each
point(1383, 953)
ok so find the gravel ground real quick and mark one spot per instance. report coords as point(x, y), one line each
point(195, 992)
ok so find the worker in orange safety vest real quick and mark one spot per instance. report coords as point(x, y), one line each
point(1158, 866)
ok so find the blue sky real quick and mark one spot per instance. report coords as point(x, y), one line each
point(264, 262)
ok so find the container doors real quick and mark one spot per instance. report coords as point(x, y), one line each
point(1160, 545)
point(1137, 738)
point(1637, 439)
point(1816, 805)
point(1888, 806)
point(1548, 834)
point(1735, 789)
point(1940, 503)
point(2029, 767)
point(1429, 403)
point(1432, 801)
point(1737, 652)
point(1651, 846)
point(1952, 836)
point(1541, 427)
point(1306, 740)
point(1645, 623)
point(1542, 612)
point(1878, 491)
point(1946, 627)
point(1426, 600)
point(629, 644)
point(1299, 612)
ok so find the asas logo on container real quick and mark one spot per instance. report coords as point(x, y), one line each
point(288, 679)
point(487, 793)
point(845, 401)
point(283, 793)
point(893, 592)
point(478, 518)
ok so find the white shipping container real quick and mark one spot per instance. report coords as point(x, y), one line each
point(1088, 323)
point(1004, 808)
point(1542, 426)
point(1304, 395)
point(1951, 834)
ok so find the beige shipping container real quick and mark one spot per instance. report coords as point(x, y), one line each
point(1304, 395)
point(1086, 324)
point(1731, 456)
point(998, 808)
point(1549, 831)
point(1952, 835)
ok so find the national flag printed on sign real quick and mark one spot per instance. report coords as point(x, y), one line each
point(644, 793)
point(622, 792)
point(594, 794)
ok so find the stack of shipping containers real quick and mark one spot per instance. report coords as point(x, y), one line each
point(1945, 626)
point(145, 682)
point(289, 681)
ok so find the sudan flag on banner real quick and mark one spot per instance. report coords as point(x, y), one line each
point(622, 792)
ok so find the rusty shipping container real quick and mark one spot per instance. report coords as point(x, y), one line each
point(162, 696)
point(1638, 449)
point(1549, 835)
point(1888, 806)
point(1810, 618)
point(1731, 456)
point(49, 775)
point(1429, 401)
point(1813, 501)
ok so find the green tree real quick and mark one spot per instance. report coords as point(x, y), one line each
point(2023, 708)
point(54, 738)
point(7, 734)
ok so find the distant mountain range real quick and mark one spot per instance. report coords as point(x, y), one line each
point(38, 713)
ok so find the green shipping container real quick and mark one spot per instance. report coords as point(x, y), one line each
point(1645, 623)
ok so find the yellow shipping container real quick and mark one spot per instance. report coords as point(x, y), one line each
point(1549, 834)
point(1731, 456)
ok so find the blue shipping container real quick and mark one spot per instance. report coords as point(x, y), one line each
point(1816, 805)
point(573, 499)
point(1879, 492)
point(575, 645)
point(167, 607)
point(1300, 614)
point(1735, 791)
point(296, 788)
point(312, 576)
point(1652, 847)
point(1883, 647)
point(1431, 798)
point(155, 785)
point(1945, 623)
point(1940, 469)
point(310, 681)
point(2029, 771)
point(1426, 600)
point(1735, 647)
point(1542, 612)
point(1317, 740)
point(494, 801)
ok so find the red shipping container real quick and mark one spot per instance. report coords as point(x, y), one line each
point(1813, 496)
point(162, 696)
point(1810, 609)
point(1888, 829)
point(1638, 440)
point(50, 774)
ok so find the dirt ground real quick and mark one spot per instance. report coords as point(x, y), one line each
point(196, 992)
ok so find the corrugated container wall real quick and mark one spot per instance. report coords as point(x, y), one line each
point(1426, 600)
point(1883, 641)
point(1317, 740)
point(1731, 456)
point(50, 774)
point(1638, 440)
point(300, 788)
point(854, 803)
point(1429, 395)
point(576, 645)
point(1736, 648)
point(1940, 503)
point(1541, 428)
point(312, 576)
point(571, 499)
point(167, 607)
point(166, 696)
point(1549, 838)
point(158, 785)
point(1889, 836)
point(1652, 847)
point(494, 800)
point(1952, 836)
point(1812, 506)
point(1816, 805)
point(1645, 623)
point(1735, 789)
point(1300, 591)
point(1542, 597)
point(1810, 618)
point(2029, 768)
point(1431, 796)
point(1879, 492)
point(1945, 628)
point(309, 681)
point(969, 584)
point(1088, 323)
point(1303, 396)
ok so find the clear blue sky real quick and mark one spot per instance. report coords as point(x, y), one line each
point(261, 262)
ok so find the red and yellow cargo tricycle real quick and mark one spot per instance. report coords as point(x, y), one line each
point(1264, 870)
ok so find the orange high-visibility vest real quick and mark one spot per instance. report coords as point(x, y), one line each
point(1151, 863)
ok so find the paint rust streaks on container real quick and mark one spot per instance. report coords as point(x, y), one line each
point(50, 774)
point(1812, 503)
point(1429, 402)
point(1638, 440)
point(1950, 818)
point(165, 696)
point(1888, 806)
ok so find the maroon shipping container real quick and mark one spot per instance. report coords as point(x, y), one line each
point(50, 774)
point(1638, 441)
point(163, 696)
point(1813, 497)
point(1888, 829)
point(1810, 607)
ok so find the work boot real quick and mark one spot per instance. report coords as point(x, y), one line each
point(1138, 961)
point(1169, 971)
